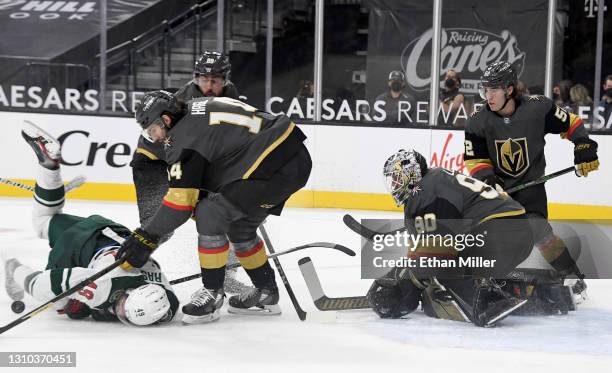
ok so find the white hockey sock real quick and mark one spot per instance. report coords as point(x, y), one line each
point(23, 277)
point(49, 199)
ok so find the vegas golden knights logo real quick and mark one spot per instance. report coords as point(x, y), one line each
point(512, 156)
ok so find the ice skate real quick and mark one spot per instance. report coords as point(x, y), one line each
point(255, 301)
point(13, 289)
point(204, 307)
point(45, 146)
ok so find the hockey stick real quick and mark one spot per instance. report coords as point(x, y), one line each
point(72, 290)
point(321, 301)
point(540, 180)
point(369, 234)
point(328, 245)
point(72, 184)
point(300, 312)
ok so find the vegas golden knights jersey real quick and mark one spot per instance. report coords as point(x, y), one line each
point(513, 147)
point(147, 151)
point(221, 140)
point(455, 201)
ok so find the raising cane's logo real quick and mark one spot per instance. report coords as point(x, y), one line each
point(465, 50)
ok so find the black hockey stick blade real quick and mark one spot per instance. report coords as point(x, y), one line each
point(328, 245)
point(364, 231)
point(321, 301)
point(45, 306)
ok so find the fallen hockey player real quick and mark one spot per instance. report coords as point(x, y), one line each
point(80, 247)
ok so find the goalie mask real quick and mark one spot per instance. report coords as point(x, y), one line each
point(145, 305)
point(402, 172)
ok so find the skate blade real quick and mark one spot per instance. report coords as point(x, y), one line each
point(191, 320)
point(505, 313)
point(269, 310)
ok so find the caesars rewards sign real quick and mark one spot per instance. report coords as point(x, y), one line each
point(465, 50)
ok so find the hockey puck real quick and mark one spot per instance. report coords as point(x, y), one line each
point(18, 306)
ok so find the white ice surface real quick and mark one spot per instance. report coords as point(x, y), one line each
point(355, 341)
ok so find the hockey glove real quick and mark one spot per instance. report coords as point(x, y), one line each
point(585, 156)
point(137, 249)
point(76, 309)
point(494, 181)
point(392, 298)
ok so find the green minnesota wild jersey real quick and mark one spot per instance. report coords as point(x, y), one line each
point(221, 140)
point(455, 203)
point(513, 147)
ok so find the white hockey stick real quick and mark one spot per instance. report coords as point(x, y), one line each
point(72, 184)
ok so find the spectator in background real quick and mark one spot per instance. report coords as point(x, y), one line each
point(305, 89)
point(395, 95)
point(561, 96)
point(521, 89)
point(606, 99)
point(580, 98)
point(451, 100)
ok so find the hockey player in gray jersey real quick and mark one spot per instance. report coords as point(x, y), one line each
point(443, 203)
point(80, 247)
point(230, 166)
point(211, 79)
point(504, 146)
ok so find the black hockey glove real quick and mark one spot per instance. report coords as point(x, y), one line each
point(392, 298)
point(585, 156)
point(76, 309)
point(137, 249)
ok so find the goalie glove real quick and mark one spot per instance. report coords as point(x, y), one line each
point(137, 249)
point(585, 156)
point(392, 297)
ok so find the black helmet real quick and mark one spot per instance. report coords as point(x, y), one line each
point(154, 104)
point(212, 63)
point(499, 74)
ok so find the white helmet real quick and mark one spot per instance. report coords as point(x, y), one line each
point(144, 305)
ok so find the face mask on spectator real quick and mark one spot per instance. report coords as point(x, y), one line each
point(450, 83)
point(396, 86)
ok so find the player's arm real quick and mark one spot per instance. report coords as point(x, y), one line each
point(476, 157)
point(571, 127)
point(184, 180)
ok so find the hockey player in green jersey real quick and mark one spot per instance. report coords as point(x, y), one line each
point(80, 247)
point(442, 203)
point(229, 166)
point(504, 147)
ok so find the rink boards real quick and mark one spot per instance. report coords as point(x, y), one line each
point(347, 162)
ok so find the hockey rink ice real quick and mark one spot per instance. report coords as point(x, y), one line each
point(349, 341)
